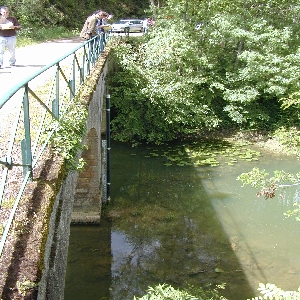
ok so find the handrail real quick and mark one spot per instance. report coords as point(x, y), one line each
point(6, 96)
point(35, 112)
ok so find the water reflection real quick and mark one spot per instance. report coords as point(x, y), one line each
point(184, 226)
point(89, 263)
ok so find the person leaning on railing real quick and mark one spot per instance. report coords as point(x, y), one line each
point(8, 27)
point(93, 23)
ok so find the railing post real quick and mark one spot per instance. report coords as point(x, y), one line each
point(89, 55)
point(26, 142)
point(101, 42)
point(74, 76)
point(55, 102)
point(84, 58)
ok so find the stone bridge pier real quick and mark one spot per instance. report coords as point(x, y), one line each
point(88, 193)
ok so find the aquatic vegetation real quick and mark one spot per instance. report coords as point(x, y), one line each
point(207, 153)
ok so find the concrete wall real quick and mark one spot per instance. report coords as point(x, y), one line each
point(78, 201)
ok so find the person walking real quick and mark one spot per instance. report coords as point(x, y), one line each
point(8, 32)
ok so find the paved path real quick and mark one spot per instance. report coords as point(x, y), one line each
point(32, 58)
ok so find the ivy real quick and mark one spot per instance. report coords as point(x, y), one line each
point(67, 139)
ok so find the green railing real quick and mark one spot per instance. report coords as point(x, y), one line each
point(26, 112)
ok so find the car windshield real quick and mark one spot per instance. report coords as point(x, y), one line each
point(132, 21)
point(121, 22)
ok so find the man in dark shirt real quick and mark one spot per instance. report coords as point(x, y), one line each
point(8, 27)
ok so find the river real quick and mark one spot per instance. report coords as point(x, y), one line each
point(178, 215)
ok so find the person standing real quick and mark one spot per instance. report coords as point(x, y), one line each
point(145, 25)
point(8, 32)
point(93, 24)
point(102, 23)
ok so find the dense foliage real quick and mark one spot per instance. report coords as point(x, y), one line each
point(70, 13)
point(235, 71)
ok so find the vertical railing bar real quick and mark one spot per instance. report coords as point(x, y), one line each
point(74, 82)
point(94, 45)
point(27, 141)
point(84, 61)
point(79, 69)
point(56, 102)
point(64, 106)
point(102, 41)
point(67, 81)
point(89, 58)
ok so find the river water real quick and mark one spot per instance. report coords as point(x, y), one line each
point(179, 216)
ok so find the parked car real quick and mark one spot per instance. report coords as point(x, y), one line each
point(128, 25)
point(120, 26)
point(135, 25)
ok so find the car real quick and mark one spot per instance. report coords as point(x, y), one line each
point(127, 25)
point(120, 26)
point(135, 25)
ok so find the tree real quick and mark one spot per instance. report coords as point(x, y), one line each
point(235, 71)
point(70, 13)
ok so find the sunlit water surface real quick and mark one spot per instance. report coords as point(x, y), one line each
point(185, 225)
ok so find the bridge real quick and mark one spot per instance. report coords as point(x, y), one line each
point(40, 195)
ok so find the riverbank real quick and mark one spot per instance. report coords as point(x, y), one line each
point(262, 139)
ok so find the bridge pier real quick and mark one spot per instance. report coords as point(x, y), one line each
point(88, 193)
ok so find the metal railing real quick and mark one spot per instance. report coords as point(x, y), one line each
point(26, 112)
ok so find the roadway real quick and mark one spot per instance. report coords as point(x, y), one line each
point(32, 58)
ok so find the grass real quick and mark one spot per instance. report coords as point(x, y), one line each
point(30, 36)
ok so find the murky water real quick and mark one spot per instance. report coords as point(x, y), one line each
point(185, 224)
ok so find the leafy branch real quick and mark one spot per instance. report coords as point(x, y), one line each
point(268, 185)
point(67, 139)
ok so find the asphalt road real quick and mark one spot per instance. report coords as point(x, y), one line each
point(32, 58)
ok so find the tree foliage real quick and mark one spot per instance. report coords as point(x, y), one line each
point(258, 178)
point(237, 70)
point(71, 13)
